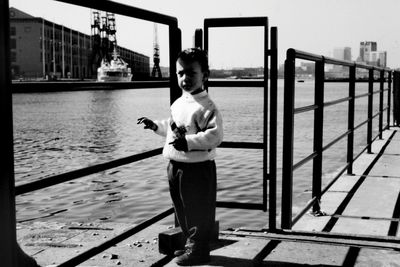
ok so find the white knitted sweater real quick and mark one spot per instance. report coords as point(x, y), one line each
point(203, 124)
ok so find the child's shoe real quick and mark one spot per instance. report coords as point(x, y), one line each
point(193, 257)
point(179, 252)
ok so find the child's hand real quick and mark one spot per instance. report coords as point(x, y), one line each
point(180, 144)
point(148, 124)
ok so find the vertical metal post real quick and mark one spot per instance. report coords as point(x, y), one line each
point(198, 38)
point(8, 239)
point(381, 83)
point(273, 127)
point(389, 104)
point(43, 52)
point(288, 127)
point(396, 98)
point(266, 114)
point(370, 104)
point(175, 46)
point(350, 119)
point(318, 131)
point(205, 44)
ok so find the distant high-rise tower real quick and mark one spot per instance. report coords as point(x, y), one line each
point(365, 50)
point(156, 72)
point(342, 53)
point(347, 53)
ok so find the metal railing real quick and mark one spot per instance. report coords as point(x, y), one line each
point(269, 109)
point(9, 191)
point(288, 167)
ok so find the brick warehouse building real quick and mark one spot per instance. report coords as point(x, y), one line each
point(41, 48)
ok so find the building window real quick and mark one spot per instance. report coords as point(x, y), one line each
point(13, 31)
point(13, 43)
point(13, 57)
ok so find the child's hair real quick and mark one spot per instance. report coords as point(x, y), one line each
point(195, 54)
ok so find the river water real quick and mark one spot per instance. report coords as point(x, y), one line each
point(64, 131)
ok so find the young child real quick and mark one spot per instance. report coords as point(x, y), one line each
point(192, 132)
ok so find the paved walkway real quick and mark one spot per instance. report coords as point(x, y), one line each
point(360, 228)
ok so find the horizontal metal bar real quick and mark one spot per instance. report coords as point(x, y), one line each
point(334, 102)
point(305, 109)
point(337, 139)
point(238, 205)
point(236, 83)
point(304, 161)
point(235, 22)
point(28, 87)
point(361, 95)
point(245, 145)
point(364, 122)
point(294, 53)
point(376, 92)
point(346, 80)
point(361, 124)
point(375, 115)
point(115, 240)
point(126, 10)
point(68, 176)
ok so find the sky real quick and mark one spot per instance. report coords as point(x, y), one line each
point(314, 26)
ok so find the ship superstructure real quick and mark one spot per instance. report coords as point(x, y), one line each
point(110, 66)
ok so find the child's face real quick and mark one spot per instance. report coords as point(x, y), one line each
point(190, 76)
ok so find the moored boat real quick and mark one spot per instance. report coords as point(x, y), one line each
point(115, 70)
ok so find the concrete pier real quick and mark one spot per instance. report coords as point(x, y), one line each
point(359, 228)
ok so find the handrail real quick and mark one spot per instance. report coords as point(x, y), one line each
point(75, 174)
point(318, 106)
point(126, 10)
point(294, 53)
point(68, 176)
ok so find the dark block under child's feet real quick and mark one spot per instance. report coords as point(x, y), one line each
point(193, 258)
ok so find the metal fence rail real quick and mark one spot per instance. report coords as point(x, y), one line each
point(318, 108)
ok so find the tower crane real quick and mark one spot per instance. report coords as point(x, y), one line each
point(156, 72)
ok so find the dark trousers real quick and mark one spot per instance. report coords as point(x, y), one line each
point(193, 191)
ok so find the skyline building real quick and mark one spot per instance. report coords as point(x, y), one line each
point(366, 48)
point(369, 54)
point(378, 58)
point(342, 53)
